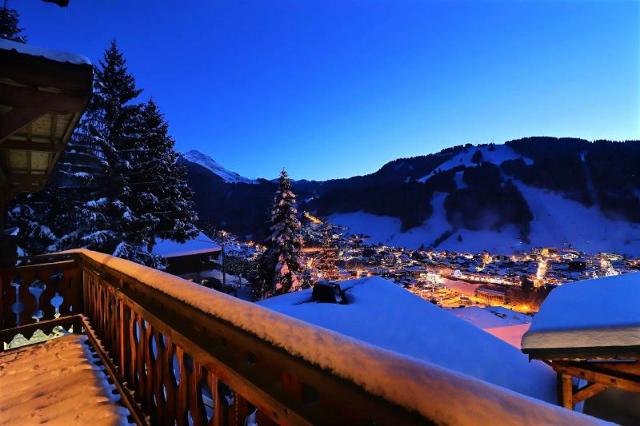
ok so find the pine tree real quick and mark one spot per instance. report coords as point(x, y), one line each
point(108, 136)
point(31, 215)
point(281, 265)
point(117, 185)
point(9, 25)
point(161, 184)
point(329, 255)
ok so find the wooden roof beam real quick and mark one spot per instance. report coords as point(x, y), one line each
point(18, 118)
point(28, 97)
point(32, 146)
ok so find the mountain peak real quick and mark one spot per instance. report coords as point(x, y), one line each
point(209, 163)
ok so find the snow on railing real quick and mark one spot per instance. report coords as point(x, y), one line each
point(322, 368)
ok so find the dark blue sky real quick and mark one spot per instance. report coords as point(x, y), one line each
point(338, 88)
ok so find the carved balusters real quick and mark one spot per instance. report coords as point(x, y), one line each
point(168, 378)
point(17, 307)
point(171, 385)
point(38, 292)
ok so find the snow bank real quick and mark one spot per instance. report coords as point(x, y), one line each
point(385, 315)
point(199, 245)
point(442, 395)
point(591, 313)
point(45, 53)
point(558, 221)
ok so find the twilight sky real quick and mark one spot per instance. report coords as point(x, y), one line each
point(336, 88)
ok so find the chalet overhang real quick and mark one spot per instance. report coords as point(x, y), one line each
point(42, 96)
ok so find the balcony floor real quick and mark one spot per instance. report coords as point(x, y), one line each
point(55, 382)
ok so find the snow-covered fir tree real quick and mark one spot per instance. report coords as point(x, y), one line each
point(10, 25)
point(31, 214)
point(161, 183)
point(110, 129)
point(117, 185)
point(281, 264)
point(326, 263)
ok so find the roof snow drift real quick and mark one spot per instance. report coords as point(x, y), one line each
point(385, 315)
point(52, 55)
point(200, 244)
point(602, 312)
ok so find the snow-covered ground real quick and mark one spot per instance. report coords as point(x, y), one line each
point(205, 161)
point(557, 222)
point(496, 156)
point(387, 230)
point(598, 312)
point(385, 315)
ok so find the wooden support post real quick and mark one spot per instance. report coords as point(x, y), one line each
point(567, 390)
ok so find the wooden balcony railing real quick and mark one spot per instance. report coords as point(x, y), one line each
point(183, 354)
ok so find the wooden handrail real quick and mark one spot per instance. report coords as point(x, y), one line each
point(184, 348)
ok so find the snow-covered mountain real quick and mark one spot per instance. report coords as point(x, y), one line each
point(525, 193)
point(587, 216)
point(204, 160)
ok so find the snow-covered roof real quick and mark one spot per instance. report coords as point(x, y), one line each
point(52, 55)
point(201, 244)
point(385, 315)
point(490, 317)
point(586, 314)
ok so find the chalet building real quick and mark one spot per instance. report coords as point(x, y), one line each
point(190, 257)
point(42, 96)
point(491, 296)
point(589, 332)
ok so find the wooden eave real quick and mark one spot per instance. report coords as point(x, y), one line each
point(41, 101)
point(585, 353)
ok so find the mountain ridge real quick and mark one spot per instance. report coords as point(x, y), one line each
point(225, 174)
point(523, 193)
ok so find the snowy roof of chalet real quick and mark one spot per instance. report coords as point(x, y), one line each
point(52, 55)
point(201, 244)
point(387, 316)
point(503, 323)
point(490, 317)
point(594, 313)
